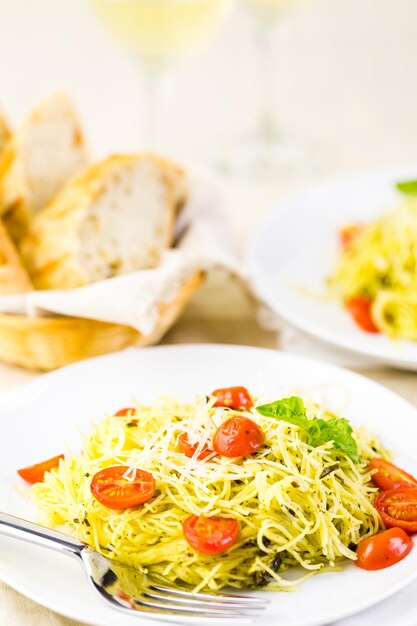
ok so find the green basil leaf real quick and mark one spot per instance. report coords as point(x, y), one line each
point(319, 431)
point(408, 187)
point(291, 410)
point(339, 431)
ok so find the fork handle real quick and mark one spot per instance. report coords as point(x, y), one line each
point(18, 528)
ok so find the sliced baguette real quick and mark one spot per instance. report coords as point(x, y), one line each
point(115, 217)
point(38, 159)
point(13, 276)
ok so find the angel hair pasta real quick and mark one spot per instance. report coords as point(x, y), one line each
point(376, 274)
point(302, 498)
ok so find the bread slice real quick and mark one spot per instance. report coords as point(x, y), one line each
point(115, 217)
point(38, 159)
point(13, 276)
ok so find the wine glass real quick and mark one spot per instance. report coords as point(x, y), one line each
point(160, 33)
point(267, 152)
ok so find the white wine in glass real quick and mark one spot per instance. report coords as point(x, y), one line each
point(270, 9)
point(160, 33)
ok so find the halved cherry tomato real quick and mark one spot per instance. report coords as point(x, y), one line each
point(188, 449)
point(233, 397)
point(127, 411)
point(210, 535)
point(35, 473)
point(238, 436)
point(389, 475)
point(398, 508)
point(384, 549)
point(360, 309)
point(113, 490)
point(348, 234)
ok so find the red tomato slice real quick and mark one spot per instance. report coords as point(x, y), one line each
point(234, 397)
point(360, 309)
point(35, 473)
point(389, 475)
point(188, 449)
point(210, 535)
point(126, 411)
point(238, 436)
point(398, 508)
point(113, 490)
point(348, 234)
point(384, 549)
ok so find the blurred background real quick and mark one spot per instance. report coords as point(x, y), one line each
point(344, 78)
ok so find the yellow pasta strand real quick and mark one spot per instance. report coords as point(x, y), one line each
point(381, 264)
point(288, 513)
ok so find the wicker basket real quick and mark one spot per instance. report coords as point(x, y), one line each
point(45, 343)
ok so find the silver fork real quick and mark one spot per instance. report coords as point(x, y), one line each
point(106, 577)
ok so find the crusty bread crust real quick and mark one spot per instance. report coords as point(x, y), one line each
point(61, 239)
point(46, 150)
point(13, 276)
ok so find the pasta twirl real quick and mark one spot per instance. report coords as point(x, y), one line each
point(296, 505)
point(380, 264)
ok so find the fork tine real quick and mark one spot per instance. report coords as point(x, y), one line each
point(162, 608)
point(198, 603)
point(192, 610)
point(208, 597)
point(149, 609)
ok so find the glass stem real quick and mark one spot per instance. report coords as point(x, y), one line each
point(267, 37)
point(157, 85)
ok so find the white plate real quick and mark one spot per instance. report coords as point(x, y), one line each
point(296, 248)
point(41, 417)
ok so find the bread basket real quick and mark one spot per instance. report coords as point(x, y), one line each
point(46, 343)
point(68, 224)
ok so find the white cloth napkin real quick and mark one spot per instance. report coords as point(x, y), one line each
point(203, 242)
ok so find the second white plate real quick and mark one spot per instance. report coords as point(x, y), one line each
point(295, 249)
